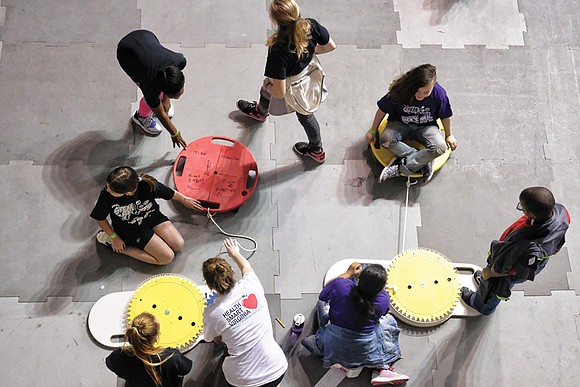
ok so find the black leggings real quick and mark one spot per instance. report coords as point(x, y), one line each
point(308, 122)
point(275, 383)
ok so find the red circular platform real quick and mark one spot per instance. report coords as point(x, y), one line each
point(218, 171)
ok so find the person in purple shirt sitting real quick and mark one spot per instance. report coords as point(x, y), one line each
point(414, 102)
point(355, 330)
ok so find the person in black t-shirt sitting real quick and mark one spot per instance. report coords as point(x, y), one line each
point(138, 229)
point(143, 363)
point(158, 73)
point(291, 49)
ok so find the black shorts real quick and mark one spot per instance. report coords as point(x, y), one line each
point(275, 383)
point(140, 236)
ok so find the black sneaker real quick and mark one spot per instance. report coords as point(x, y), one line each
point(477, 276)
point(427, 172)
point(466, 295)
point(251, 110)
point(303, 149)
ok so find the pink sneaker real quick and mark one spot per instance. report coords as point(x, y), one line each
point(388, 377)
point(251, 110)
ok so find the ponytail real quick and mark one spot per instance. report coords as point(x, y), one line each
point(142, 335)
point(371, 281)
point(362, 303)
point(150, 180)
point(293, 30)
point(301, 37)
point(219, 275)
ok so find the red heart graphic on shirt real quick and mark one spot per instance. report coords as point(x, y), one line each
point(250, 302)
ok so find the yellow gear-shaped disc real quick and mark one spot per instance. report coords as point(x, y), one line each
point(178, 304)
point(424, 287)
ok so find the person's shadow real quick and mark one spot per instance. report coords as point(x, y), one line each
point(75, 174)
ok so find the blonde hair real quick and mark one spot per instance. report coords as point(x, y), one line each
point(219, 275)
point(292, 28)
point(142, 334)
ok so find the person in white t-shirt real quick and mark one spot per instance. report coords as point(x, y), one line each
point(239, 317)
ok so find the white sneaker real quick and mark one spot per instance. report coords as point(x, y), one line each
point(388, 377)
point(147, 124)
point(104, 239)
point(350, 373)
point(389, 172)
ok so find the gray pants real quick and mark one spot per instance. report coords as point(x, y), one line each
point(277, 107)
point(429, 136)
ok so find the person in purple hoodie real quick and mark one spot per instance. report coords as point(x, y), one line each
point(522, 251)
point(414, 102)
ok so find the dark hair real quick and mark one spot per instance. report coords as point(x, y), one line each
point(142, 334)
point(539, 201)
point(404, 87)
point(218, 275)
point(125, 179)
point(170, 80)
point(370, 282)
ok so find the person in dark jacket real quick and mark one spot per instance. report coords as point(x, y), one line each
point(143, 363)
point(522, 251)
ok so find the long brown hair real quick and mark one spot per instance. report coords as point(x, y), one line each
point(125, 179)
point(405, 86)
point(218, 275)
point(292, 28)
point(142, 334)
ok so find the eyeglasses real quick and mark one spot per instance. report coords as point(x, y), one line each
point(519, 207)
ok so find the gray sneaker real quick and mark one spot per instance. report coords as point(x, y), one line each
point(427, 172)
point(389, 172)
point(147, 124)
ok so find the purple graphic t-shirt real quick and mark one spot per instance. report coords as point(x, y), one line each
point(420, 113)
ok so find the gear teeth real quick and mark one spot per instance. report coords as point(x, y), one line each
point(187, 301)
point(421, 274)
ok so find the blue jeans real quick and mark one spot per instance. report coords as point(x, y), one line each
point(380, 353)
point(486, 308)
point(430, 137)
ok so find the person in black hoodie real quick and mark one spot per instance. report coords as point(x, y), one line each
point(522, 251)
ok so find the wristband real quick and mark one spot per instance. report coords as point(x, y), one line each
point(372, 131)
point(175, 135)
point(113, 235)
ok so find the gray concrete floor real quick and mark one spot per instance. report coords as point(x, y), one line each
point(511, 69)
